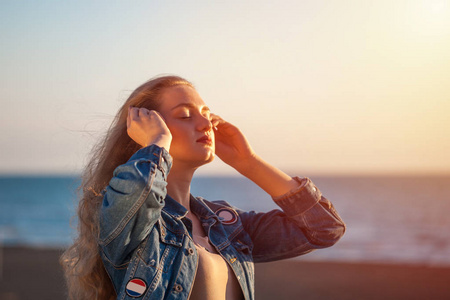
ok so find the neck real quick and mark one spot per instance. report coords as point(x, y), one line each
point(179, 184)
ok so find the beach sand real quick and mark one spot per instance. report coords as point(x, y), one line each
point(35, 274)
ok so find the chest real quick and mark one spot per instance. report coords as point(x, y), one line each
point(168, 260)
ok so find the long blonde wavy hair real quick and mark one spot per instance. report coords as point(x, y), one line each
point(85, 274)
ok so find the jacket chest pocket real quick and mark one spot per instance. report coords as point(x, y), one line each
point(157, 256)
point(160, 249)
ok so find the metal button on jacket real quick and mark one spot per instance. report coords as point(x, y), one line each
point(178, 288)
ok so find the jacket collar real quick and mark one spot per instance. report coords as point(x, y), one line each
point(201, 209)
point(204, 210)
point(175, 209)
point(198, 207)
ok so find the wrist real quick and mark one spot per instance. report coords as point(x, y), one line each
point(271, 179)
point(162, 141)
point(247, 166)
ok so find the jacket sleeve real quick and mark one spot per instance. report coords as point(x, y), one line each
point(307, 221)
point(132, 202)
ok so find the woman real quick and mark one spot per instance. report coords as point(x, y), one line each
point(143, 235)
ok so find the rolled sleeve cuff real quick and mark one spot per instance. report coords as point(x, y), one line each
point(156, 154)
point(300, 199)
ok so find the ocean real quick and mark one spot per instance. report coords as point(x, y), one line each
point(389, 219)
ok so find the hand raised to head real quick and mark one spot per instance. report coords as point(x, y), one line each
point(232, 146)
point(147, 127)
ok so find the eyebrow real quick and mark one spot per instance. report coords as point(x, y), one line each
point(190, 105)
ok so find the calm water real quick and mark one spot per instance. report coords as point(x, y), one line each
point(389, 219)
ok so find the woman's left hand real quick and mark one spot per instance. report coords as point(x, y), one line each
point(231, 145)
point(233, 148)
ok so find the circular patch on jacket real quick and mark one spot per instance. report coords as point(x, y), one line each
point(227, 216)
point(136, 287)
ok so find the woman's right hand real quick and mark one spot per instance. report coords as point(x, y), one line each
point(147, 127)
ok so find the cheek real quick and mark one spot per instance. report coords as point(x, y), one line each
point(179, 136)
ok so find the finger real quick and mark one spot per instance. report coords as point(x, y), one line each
point(134, 113)
point(128, 117)
point(214, 116)
point(158, 114)
point(143, 111)
point(213, 121)
point(218, 122)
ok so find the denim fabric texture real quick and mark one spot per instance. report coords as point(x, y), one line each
point(146, 240)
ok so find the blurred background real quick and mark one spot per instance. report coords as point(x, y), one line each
point(353, 94)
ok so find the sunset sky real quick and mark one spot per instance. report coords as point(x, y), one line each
point(318, 87)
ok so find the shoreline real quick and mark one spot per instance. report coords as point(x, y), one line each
point(34, 273)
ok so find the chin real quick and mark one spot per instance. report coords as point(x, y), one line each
point(209, 157)
point(207, 154)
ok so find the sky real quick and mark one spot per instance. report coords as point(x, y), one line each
point(318, 87)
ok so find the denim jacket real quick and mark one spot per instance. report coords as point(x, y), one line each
point(146, 240)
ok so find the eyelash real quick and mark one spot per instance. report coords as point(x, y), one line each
point(188, 117)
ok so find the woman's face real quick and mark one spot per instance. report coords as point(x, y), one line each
point(189, 121)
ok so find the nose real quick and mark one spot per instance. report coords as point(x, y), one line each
point(204, 124)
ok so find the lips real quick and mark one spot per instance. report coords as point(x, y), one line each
point(205, 139)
